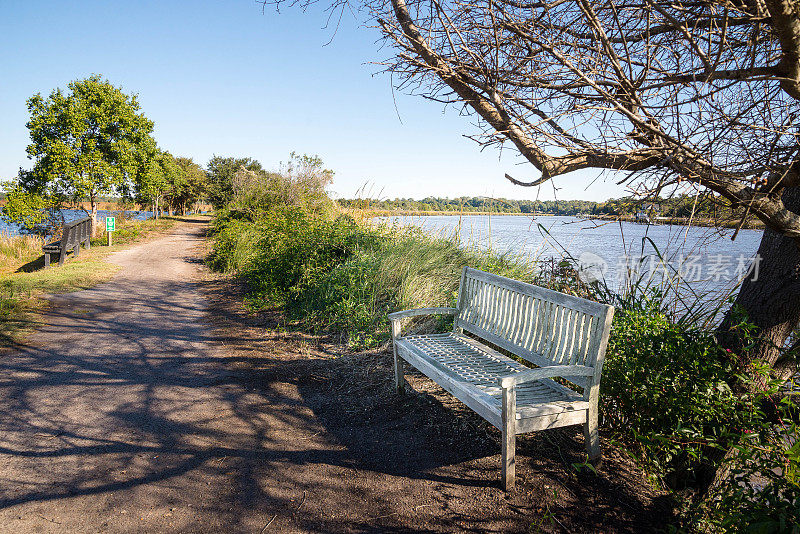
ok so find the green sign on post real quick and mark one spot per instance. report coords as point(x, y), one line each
point(110, 226)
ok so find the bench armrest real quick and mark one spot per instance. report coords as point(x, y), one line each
point(544, 372)
point(396, 316)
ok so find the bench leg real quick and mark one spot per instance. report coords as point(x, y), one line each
point(509, 445)
point(77, 249)
point(63, 257)
point(88, 243)
point(46, 260)
point(591, 434)
point(399, 375)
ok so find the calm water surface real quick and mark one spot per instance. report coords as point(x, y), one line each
point(706, 257)
point(70, 215)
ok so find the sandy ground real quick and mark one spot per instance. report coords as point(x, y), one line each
point(153, 403)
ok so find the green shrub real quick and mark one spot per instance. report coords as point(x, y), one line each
point(234, 245)
point(350, 299)
point(294, 251)
point(759, 491)
point(666, 390)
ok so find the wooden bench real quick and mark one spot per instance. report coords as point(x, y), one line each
point(564, 336)
point(72, 235)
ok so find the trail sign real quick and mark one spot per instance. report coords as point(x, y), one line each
point(110, 227)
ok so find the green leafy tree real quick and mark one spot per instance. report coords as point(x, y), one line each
point(148, 180)
point(25, 207)
point(221, 172)
point(157, 174)
point(193, 187)
point(173, 176)
point(85, 141)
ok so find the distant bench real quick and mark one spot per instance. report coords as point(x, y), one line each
point(565, 336)
point(72, 235)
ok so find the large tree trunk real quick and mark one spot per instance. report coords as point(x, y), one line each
point(771, 300)
point(93, 204)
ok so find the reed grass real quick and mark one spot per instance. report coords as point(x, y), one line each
point(17, 250)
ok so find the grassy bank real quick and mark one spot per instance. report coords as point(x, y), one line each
point(337, 274)
point(671, 397)
point(24, 281)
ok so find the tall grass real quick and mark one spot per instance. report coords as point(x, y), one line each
point(336, 274)
point(17, 250)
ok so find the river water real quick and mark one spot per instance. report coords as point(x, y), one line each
point(13, 229)
point(705, 259)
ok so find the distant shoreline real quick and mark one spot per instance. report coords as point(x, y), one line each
point(393, 213)
point(674, 221)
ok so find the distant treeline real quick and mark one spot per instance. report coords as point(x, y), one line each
point(472, 204)
point(676, 206)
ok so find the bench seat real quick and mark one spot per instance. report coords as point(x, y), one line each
point(473, 369)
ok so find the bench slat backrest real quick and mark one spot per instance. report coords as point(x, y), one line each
point(543, 326)
point(68, 234)
point(75, 232)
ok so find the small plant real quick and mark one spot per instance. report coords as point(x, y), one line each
point(758, 485)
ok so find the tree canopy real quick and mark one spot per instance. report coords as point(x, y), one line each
point(220, 174)
point(192, 186)
point(705, 92)
point(22, 206)
point(85, 141)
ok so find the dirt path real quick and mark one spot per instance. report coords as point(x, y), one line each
point(131, 412)
point(116, 417)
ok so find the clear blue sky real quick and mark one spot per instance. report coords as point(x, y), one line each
point(222, 78)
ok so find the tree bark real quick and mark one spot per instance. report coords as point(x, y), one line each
point(93, 204)
point(771, 300)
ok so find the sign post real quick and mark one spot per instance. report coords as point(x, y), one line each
point(110, 227)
